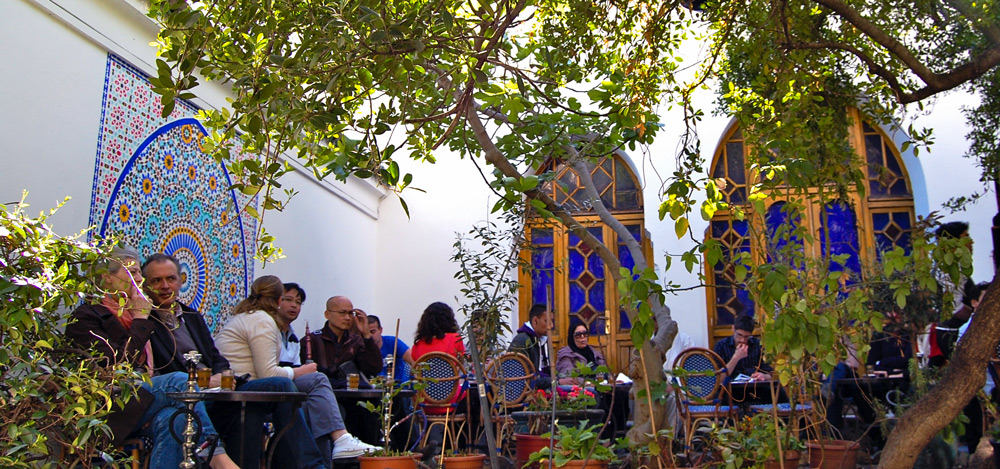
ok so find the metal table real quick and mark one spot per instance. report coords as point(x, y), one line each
point(243, 397)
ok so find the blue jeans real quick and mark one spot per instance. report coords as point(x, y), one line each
point(322, 411)
point(167, 452)
point(296, 449)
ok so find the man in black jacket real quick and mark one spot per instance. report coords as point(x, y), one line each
point(179, 329)
point(531, 340)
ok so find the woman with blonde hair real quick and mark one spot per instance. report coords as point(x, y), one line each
point(251, 341)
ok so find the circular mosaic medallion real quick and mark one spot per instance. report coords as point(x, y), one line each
point(171, 197)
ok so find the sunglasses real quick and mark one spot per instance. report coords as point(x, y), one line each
point(581, 334)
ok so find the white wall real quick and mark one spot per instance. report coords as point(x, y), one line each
point(51, 93)
point(327, 243)
point(413, 254)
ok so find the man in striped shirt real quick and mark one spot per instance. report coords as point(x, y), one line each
point(742, 351)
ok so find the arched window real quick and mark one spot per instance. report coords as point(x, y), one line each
point(571, 277)
point(860, 227)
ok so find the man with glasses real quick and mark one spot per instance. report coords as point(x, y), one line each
point(344, 344)
point(742, 352)
point(289, 307)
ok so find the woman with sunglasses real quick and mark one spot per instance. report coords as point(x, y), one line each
point(577, 352)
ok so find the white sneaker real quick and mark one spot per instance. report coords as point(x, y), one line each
point(348, 446)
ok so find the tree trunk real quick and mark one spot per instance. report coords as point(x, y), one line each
point(965, 375)
point(652, 363)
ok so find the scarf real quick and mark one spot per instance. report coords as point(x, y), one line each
point(585, 351)
point(125, 317)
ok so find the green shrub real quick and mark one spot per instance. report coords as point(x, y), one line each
point(53, 403)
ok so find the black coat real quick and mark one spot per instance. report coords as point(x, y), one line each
point(167, 359)
point(96, 327)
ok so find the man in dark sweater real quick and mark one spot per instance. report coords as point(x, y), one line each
point(742, 351)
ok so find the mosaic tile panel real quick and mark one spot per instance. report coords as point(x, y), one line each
point(157, 190)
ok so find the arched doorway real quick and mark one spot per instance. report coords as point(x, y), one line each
point(861, 226)
point(569, 276)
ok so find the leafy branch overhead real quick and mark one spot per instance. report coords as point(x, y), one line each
point(350, 87)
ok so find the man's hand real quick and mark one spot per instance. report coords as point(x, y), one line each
point(758, 376)
point(215, 381)
point(741, 352)
point(361, 323)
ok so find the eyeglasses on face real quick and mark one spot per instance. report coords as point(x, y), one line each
point(291, 299)
point(581, 334)
point(346, 312)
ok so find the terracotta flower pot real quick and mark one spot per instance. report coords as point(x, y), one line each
point(791, 461)
point(591, 464)
point(527, 444)
point(833, 454)
point(472, 461)
point(388, 462)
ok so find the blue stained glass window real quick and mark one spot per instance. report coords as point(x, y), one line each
point(902, 219)
point(626, 190)
point(627, 261)
point(876, 165)
point(625, 257)
point(891, 230)
point(597, 327)
point(886, 178)
point(597, 296)
point(735, 163)
point(577, 263)
point(586, 279)
point(541, 237)
point(577, 297)
point(623, 322)
point(842, 224)
point(781, 227)
point(542, 257)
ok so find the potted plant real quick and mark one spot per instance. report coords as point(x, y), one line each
point(386, 458)
point(576, 447)
point(572, 407)
point(759, 441)
point(462, 459)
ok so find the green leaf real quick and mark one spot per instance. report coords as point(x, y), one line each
point(681, 227)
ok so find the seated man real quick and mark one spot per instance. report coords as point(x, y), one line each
point(402, 360)
point(742, 352)
point(322, 409)
point(531, 340)
point(289, 307)
point(345, 343)
point(179, 329)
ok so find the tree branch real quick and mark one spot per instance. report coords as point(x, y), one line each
point(935, 83)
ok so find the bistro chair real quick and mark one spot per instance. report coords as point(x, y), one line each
point(509, 378)
point(442, 380)
point(702, 387)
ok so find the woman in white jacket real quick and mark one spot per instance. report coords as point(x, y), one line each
point(251, 342)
